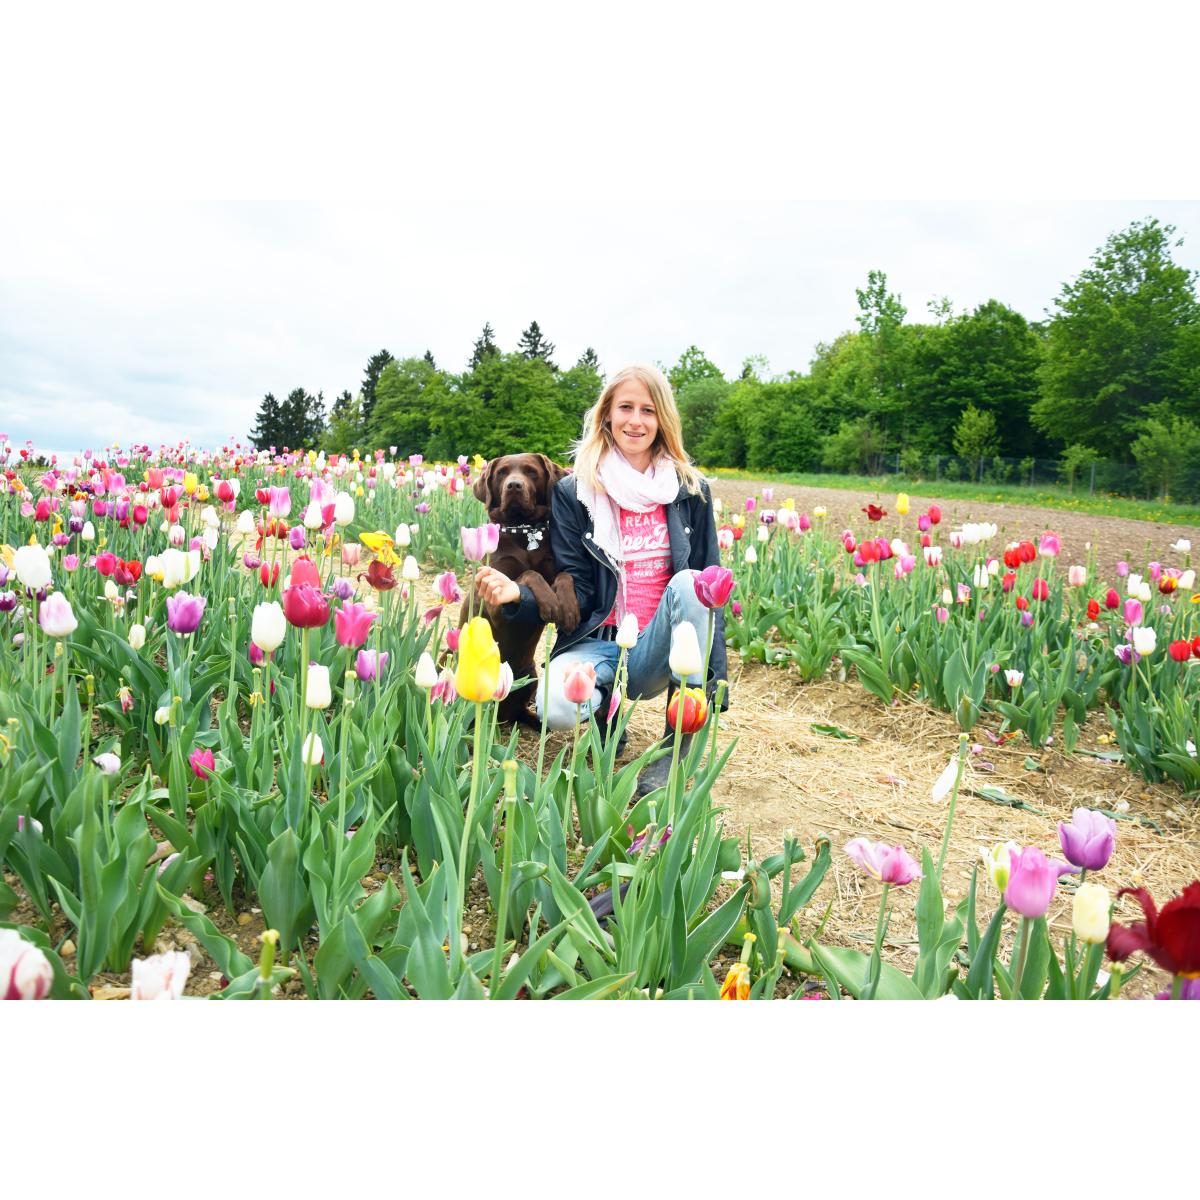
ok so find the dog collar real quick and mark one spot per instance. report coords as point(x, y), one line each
point(533, 533)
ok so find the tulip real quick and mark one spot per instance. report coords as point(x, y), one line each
point(751, 555)
point(737, 982)
point(108, 763)
point(933, 555)
point(312, 752)
point(685, 658)
point(725, 538)
point(1170, 937)
point(1133, 612)
point(305, 607)
point(105, 563)
point(479, 542)
point(137, 637)
point(1040, 590)
point(504, 686)
point(695, 710)
point(268, 626)
point(203, 762)
point(874, 512)
point(1145, 640)
point(579, 684)
point(304, 571)
point(317, 693)
point(1076, 576)
point(368, 664)
point(296, 537)
point(902, 503)
point(1050, 545)
point(1090, 913)
point(942, 614)
point(892, 865)
point(352, 624)
point(1180, 651)
point(426, 672)
point(245, 522)
point(627, 632)
point(343, 509)
point(446, 586)
point(1088, 840)
point(1032, 882)
point(88, 533)
point(380, 576)
point(820, 512)
point(403, 536)
point(184, 613)
point(56, 617)
point(444, 689)
point(410, 571)
point(31, 565)
point(1014, 679)
point(160, 977)
point(25, 971)
point(177, 567)
point(997, 863)
point(279, 501)
point(478, 673)
point(1093, 610)
point(713, 586)
point(162, 715)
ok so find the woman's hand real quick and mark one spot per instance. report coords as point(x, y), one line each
point(495, 587)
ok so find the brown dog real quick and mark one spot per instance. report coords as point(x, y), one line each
point(515, 490)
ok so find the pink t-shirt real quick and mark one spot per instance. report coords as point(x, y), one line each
point(646, 549)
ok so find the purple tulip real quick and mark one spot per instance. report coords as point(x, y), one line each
point(343, 589)
point(1189, 991)
point(1124, 653)
point(1089, 839)
point(1032, 882)
point(184, 613)
point(296, 537)
point(370, 663)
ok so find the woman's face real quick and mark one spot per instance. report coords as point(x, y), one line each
point(634, 422)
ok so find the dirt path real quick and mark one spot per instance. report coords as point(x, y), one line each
point(1113, 538)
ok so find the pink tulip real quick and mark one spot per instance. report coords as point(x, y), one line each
point(352, 623)
point(444, 690)
point(804, 523)
point(1155, 570)
point(370, 663)
point(25, 972)
point(160, 977)
point(924, 523)
point(580, 683)
point(480, 541)
point(446, 585)
point(942, 614)
point(713, 586)
point(1032, 882)
point(1077, 576)
point(351, 554)
point(1050, 546)
point(452, 637)
point(889, 864)
point(203, 762)
point(504, 686)
point(1122, 569)
point(279, 501)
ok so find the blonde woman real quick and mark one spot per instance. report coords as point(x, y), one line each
point(632, 525)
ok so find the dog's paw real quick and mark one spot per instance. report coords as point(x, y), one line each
point(548, 611)
point(568, 614)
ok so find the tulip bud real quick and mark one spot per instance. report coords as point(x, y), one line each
point(403, 536)
point(162, 715)
point(751, 554)
point(317, 693)
point(88, 534)
point(997, 863)
point(25, 972)
point(312, 516)
point(312, 751)
point(764, 533)
point(685, 659)
point(579, 684)
point(426, 673)
point(268, 626)
point(410, 571)
point(627, 632)
point(137, 636)
point(1090, 913)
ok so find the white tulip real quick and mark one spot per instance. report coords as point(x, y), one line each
point(312, 516)
point(210, 538)
point(410, 570)
point(627, 633)
point(312, 751)
point(89, 532)
point(1014, 678)
point(178, 567)
point(343, 509)
point(160, 977)
point(945, 781)
point(1188, 579)
point(137, 636)
point(245, 522)
point(208, 515)
point(1182, 546)
point(32, 566)
point(751, 555)
point(427, 673)
point(403, 537)
point(177, 535)
point(1145, 640)
point(685, 659)
point(268, 626)
point(162, 715)
point(764, 533)
point(318, 693)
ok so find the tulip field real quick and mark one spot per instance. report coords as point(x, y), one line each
point(247, 753)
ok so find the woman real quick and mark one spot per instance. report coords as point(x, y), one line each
point(632, 525)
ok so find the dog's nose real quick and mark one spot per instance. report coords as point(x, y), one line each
point(513, 484)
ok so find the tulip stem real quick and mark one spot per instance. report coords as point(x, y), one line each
point(507, 805)
point(537, 787)
point(571, 783)
point(875, 966)
point(1177, 988)
point(464, 846)
point(1022, 955)
point(680, 696)
point(962, 760)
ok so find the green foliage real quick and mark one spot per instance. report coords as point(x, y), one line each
point(975, 436)
point(298, 421)
point(1074, 458)
point(375, 367)
point(534, 345)
point(1168, 445)
point(692, 367)
point(855, 446)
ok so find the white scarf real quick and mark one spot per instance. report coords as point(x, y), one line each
point(625, 487)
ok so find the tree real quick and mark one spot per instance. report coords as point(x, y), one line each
point(375, 365)
point(533, 345)
point(855, 447)
point(485, 346)
point(1074, 459)
point(345, 426)
point(692, 365)
point(880, 320)
point(430, 359)
point(301, 419)
point(591, 360)
point(408, 391)
point(579, 388)
point(341, 405)
point(781, 428)
point(975, 437)
point(699, 403)
point(1121, 341)
point(268, 430)
point(523, 403)
point(1168, 445)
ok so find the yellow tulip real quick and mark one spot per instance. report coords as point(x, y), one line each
point(478, 674)
point(790, 504)
point(190, 483)
point(902, 503)
point(358, 491)
point(479, 462)
point(737, 983)
point(202, 493)
point(381, 545)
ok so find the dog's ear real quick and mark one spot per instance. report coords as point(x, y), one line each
point(483, 485)
point(553, 472)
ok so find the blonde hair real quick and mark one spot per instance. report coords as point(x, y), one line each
point(597, 438)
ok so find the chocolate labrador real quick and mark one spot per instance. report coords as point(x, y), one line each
point(515, 490)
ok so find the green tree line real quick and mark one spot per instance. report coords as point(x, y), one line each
point(1112, 373)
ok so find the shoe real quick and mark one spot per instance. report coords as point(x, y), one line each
point(658, 772)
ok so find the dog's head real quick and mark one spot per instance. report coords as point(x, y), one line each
point(516, 488)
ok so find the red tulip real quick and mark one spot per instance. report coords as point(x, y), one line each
point(304, 571)
point(268, 576)
point(935, 514)
point(1196, 646)
point(1111, 599)
point(1041, 589)
point(1171, 937)
point(849, 543)
point(1180, 651)
point(1093, 609)
point(106, 563)
point(738, 533)
point(380, 576)
point(695, 710)
point(1012, 556)
point(1022, 603)
point(874, 512)
point(305, 607)
point(1167, 584)
point(141, 514)
point(128, 573)
point(1007, 581)
point(262, 495)
point(224, 491)
point(1027, 551)
point(170, 497)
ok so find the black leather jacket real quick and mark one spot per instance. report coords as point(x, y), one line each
point(691, 528)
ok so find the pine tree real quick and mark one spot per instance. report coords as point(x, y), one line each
point(341, 406)
point(430, 359)
point(314, 420)
point(265, 433)
point(293, 420)
point(375, 365)
point(485, 346)
point(534, 345)
point(590, 359)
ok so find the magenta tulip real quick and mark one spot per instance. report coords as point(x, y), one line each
point(713, 586)
point(279, 501)
point(184, 613)
point(1032, 882)
point(889, 864)
point(203, 762)
point(352, 623)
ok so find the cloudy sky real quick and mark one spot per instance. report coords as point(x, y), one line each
point(202, 213)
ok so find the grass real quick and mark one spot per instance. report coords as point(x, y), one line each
point(1000, 493)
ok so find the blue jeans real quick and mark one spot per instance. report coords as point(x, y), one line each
point(649, 672)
